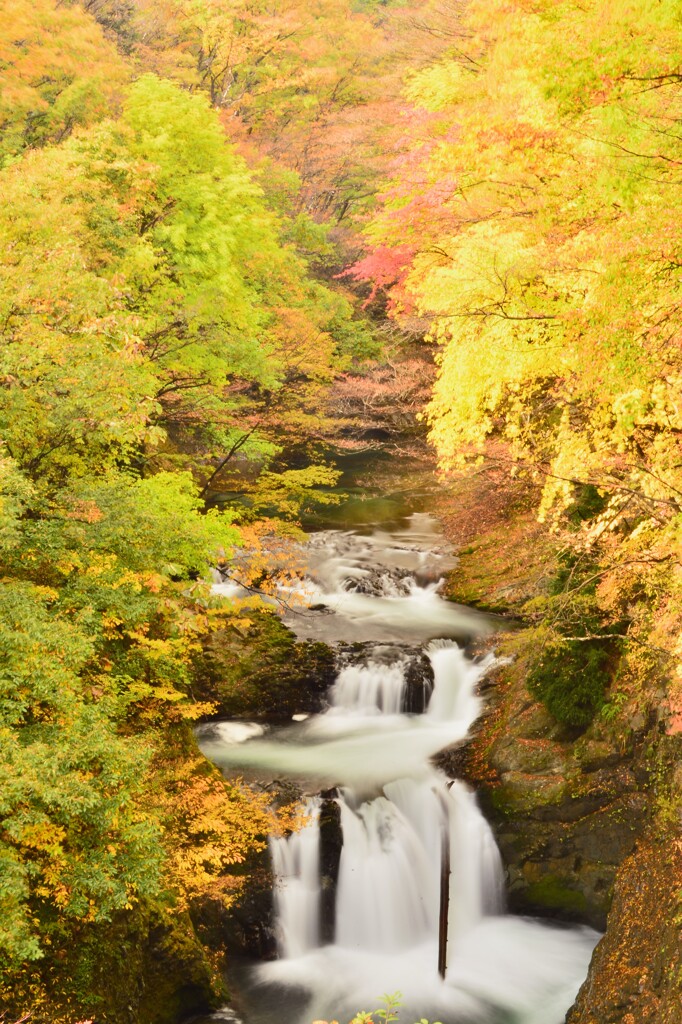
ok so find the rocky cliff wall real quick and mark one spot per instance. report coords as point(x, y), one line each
point(587, 819)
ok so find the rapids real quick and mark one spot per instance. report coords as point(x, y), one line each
point(399, 816)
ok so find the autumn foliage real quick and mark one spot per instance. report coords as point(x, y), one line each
point(157, 323)
point(225, 226)
point(531, 220)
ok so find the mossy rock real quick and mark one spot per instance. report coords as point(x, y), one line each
point(531, 757)
point(262, 672)
point(553, 894)
point(592, 754)
point(520, 793)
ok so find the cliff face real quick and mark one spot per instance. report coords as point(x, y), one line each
point(566, 812)
point(636, 972)
point(587, 818)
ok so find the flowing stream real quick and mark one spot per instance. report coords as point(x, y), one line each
point(402, 649)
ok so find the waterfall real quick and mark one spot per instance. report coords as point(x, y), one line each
point(476, 873)
point(390, 867)
point(455, 678)
point(388, 887)
point(296, 867)
point(370, 688)
point(402, 822)
point(385, 898)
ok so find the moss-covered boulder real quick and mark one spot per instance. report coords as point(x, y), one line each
point(257, 669)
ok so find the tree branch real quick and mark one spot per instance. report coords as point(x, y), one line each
point(238, 444)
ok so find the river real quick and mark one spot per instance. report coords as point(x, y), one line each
point(405, 689)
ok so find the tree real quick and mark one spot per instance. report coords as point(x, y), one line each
point(148, 255)
point(58, 72)
point(549, 285)
point(531, 223)
point(145, 295)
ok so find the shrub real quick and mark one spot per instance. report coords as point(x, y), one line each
point(570, 678)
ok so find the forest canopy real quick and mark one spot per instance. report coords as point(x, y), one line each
point(536, 229)
point(157, 318)
point(213, 214)
point(531, 224)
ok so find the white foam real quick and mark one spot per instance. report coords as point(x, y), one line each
point(232, 733)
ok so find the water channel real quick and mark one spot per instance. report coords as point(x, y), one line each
point(405, 689)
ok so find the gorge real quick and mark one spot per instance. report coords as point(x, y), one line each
point(244, 245)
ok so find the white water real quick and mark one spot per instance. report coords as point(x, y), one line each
point(371, 688)
point(296, 866)
point(389, 877)
point(380, 587)
point(397, 812)
point(355, 745)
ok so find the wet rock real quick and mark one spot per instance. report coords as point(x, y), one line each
point(418, 684)
point(637, 722)
point(568, 868)
point(248, 927)
point(515, 755)
point(547, 893)
point(527, 793)
point(262, 673)
point(417, 667)
point(382, 581)
point(565, 811)
point(636, 972)
point(595, 754)
point(534, 722)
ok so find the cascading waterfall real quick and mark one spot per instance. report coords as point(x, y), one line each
point(476, 873)
point(388, 888)
point(296, 867)
point(389, 877)
point(399, 816)
point(370, 688)
point(386, 897)
point(455, 677)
